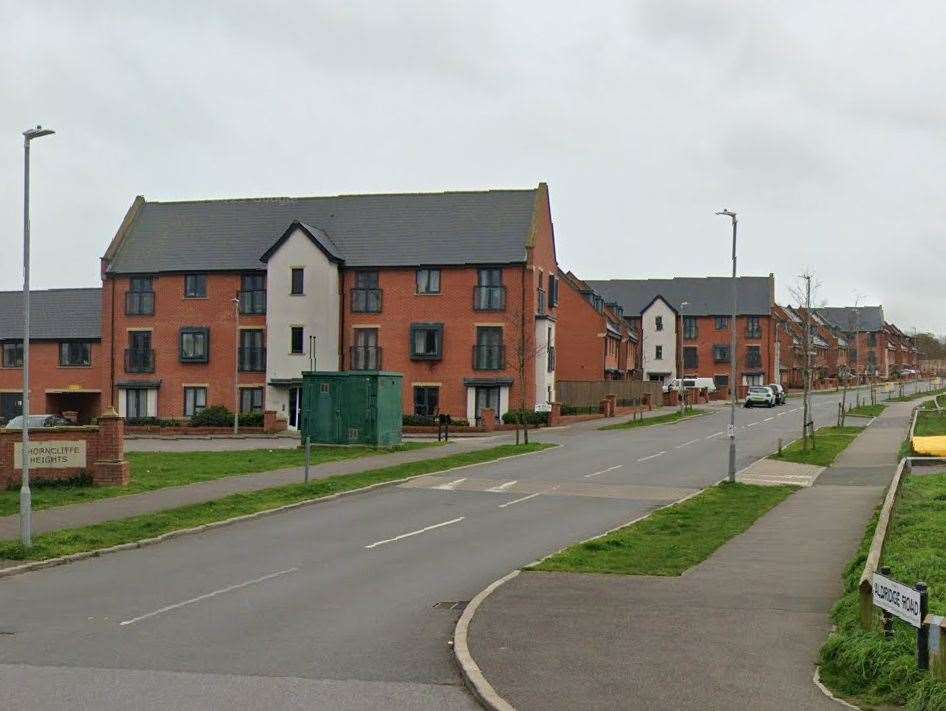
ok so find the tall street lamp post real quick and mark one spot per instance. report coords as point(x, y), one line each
point(25, 494)
point(732, 354)
point(236, 366)
point(680, 390)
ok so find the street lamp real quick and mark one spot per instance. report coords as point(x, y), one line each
point(236, 366)
point(680, 391)
point(25, 494)
point(732, 355)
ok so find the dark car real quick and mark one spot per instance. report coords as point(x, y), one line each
point(779, 393)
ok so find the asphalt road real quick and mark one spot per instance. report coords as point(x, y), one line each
point(335, 606)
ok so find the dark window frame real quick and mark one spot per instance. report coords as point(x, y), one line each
point(297, 281)
point(658, 352)
point(721, 353)
point(197, 289)
point(721, 323)
point(489, 352)
point(753, 356)
point(435, 329)
point(194, 389)
point(367, 297)
point(15, 347)
point(293, 330)
point(426, 391)
point(65, 347)
point(252, 358)
point(691, 358)
point(658, 323)
point(140, 297)
point(252, 294)
point(489, 294)
point(192, 331)
point(753, 327)
point(691, 328)
point(252, 405)
point(422, 286)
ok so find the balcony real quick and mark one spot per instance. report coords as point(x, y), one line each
point(366, 300)
point(753, 333)
point(753, 360)
point(252, 360)
point(365, 357)
point(489, 298)
point(139, 303)
point(540, 302)
point(139, 360)
point(489, 357)
point(252, 301)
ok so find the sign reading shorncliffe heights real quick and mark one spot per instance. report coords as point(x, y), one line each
point(897, 599)
point(52, 455)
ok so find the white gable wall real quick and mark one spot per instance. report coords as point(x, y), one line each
point(651, 338)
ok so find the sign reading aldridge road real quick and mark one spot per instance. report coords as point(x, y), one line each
point(897, 599)
point(52, 455)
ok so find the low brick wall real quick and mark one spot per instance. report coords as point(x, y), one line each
point(196, 431)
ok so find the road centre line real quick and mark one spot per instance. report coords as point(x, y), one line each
point(609, 469)
point(687, 444)
point(502, 487)
point(205, 596)
point(753, 424)
point(652, 456)
point(768, 419)
point(715, 434)
point(526, 498)
point(414, 533)
point(451, 485)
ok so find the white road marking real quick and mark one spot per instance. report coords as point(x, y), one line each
point(450, 485)
point(768, 419)
point(524, 498)
point(687, 444)
point(205, 596)
point(609, 469)
point(715, 434)
point(753, 424)
point(652, 456)
point(502, 487)
point(413, 533)
point(781, 413)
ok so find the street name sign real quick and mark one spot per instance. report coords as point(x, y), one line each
point(897, 599)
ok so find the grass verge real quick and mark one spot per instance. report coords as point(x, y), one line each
point(863, 665)
point(659, 420)
point(157, 470)
point(672, 539)
point(866, 410)
point(112, 533)
point(930, 424)
point(917, 396)
point(829, 443)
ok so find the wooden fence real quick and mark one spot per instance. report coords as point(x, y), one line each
point(588, 393)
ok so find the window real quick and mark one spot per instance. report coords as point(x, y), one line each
point(658, 352)
point(426, 400)
point(489, 353)
point(13, 354)
point(139, 357)
point(75, 355)
point(296, 338)
point(721, 381)
point(251, 400)
point(872, 340)
point(659, 323)
point(366, 296)
point(426, 341)
point(721, 323)
point(139, 299)
point(195, 286)
point(195, 400)
point(550, 347)
point(691, 358)
point(720, 354)
point(253, 294)
point(297, 276)
point(753, 357)
point(136, 403)
point(428, 281)
point(553, 290)
point(366, 354)
point(690, 329)
point(753, 329)
point(755, 379)
point(195, 345)
point(489, 294)
point(252, 353)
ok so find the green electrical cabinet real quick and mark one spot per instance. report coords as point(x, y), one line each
point(352, 407)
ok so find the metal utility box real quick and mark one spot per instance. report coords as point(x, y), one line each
point(352, 407)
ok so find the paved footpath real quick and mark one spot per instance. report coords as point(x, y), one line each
point(741, 630)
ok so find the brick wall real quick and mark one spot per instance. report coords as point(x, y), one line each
point(707, 336)
point(580, 337)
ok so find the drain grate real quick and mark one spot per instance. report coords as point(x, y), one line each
point(452, 605)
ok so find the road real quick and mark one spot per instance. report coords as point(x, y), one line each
point(335, 606)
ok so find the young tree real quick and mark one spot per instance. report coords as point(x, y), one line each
point(802, 292)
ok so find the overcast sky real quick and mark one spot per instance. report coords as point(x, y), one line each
point(822, 124)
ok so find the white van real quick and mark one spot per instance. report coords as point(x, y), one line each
point(671, 386)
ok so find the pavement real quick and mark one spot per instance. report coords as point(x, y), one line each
point(350, 604)
point(740, 630)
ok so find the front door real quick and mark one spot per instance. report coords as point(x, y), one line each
point(11, 405)
point(295, 407)
point(487, 397)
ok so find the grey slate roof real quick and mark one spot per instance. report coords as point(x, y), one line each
point(866, 318)
point(54, 314)
point(488, 227)
point(706, 296)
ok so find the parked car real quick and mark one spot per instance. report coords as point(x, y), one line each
point(760, 395)
point(690, 384)
point(38, 422)
point(779, 391)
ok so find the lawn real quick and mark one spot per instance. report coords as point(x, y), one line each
point(930, 424)
point(111, 533)
point(658, 420)
point(866, 410)
point(157, 470)
point(864, 666)
point(672, 539)
point(829, 443)
point(917, 396)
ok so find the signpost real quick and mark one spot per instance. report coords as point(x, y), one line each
point(910, 605)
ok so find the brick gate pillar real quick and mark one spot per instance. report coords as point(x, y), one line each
point(112, 468)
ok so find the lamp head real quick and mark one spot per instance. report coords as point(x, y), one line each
point(727, 213)
point(37, 132)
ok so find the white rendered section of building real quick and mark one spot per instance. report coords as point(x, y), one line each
point(544, 378)
point(659, 341)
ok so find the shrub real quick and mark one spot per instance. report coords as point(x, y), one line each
point(579, 410)
point(513, 417)
point(213, 416)
point(427, 421)
point(151, 422)
point(250, 419)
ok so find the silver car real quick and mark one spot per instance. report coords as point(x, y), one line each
point(760, 395)
point(38, 422)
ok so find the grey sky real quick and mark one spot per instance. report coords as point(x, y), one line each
point(822, 124)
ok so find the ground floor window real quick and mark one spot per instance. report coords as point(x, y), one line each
point(11, 405)
point(251, 400)
point(721, 381)
point(426, 400)
point(195, 400)
point(753, 379)
point(136, 403)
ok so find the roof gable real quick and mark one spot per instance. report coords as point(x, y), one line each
point(315, 235)
point(705, 296)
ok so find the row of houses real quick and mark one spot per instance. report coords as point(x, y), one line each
point(229, 301)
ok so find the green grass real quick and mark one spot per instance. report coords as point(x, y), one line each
point(111, 533)
point(829, 443)
point(867, 410)
point(930, 424)
point(916, 396)
point(658, 420)
point(672, 539)
point(157, 470)
point(863, 665)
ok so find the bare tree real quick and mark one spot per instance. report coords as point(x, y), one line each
point(802, 292)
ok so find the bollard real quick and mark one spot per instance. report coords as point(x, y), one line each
point(780, 446)
point(308, 457)
point(923, 634)
point(888, 617)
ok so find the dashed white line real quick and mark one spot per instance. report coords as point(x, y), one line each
point(413, 533)
point(524, 498)
point(687, 444)
point(502, 487)
point(652, 456)
point(753, 424)
point(715, 434)
point(205, 596)
point(768, 419)
point(603, 471)
point(781, 413)
point(451, 485)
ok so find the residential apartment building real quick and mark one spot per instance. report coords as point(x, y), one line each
point(228, 301)
point(876, 348)
point(594, 341)
point(66, 356)
point(685, 323)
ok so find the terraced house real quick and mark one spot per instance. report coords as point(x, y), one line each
point(228, 301)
